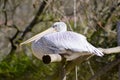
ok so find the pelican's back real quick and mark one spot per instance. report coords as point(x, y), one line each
point(70, 41)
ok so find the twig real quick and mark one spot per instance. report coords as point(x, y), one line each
point(76, 72)
point(75, 25)
point(90, 67)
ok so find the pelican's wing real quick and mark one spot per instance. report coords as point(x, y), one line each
point(71, 41)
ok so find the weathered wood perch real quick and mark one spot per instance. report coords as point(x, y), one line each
point(51, 58)
point(110, 50)
point(48, 58)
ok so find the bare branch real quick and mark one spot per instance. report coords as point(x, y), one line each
point(90, 67)
point(57, 58)
point(110, 50)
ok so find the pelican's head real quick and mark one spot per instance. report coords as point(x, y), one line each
point(59, 26)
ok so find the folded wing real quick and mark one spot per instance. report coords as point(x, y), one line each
point(69, 41)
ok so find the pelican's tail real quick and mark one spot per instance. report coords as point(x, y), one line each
point(95, 50)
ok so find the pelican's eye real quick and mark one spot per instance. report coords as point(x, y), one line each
point(54, 26)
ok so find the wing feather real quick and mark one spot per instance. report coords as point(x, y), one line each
point(70, 40)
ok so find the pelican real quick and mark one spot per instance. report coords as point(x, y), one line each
point(57, 40)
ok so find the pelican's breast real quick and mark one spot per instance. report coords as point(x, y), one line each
point(39, 48)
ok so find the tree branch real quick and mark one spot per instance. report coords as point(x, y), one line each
point(57, 57)
point(110, 50)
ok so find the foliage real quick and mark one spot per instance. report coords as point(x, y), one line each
point(17, 67)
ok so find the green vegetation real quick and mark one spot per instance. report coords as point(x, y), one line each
point(21, 67)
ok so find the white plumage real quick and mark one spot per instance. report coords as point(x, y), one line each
point(67, 43)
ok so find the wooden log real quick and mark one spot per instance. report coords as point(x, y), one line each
point(48, 58)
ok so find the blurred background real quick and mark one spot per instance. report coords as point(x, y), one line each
point(21, 19)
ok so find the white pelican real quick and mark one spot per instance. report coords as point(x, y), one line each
point(57, 40)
